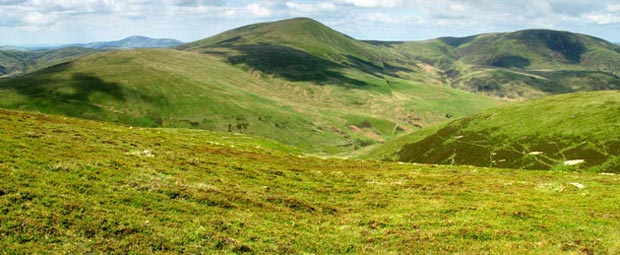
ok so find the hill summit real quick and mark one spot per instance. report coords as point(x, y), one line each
point(302, 33)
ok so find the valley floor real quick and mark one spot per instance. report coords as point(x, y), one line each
point(76, 186)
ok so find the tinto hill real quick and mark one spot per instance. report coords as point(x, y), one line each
point(572, 131)
point(76, 186)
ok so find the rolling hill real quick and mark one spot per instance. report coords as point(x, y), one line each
point(16, 61)
point(522, 64)
point(20, 62)
point(334, 102)
point(304, 84)
point(303, 49)
point(76, 186)
point(572, 131)
point(134, 42)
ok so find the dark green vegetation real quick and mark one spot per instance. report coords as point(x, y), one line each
point(523, 64)
point(544, 133)
point(77, 186)
point(296, 81)
point(17, 62)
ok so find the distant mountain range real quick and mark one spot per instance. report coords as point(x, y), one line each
point(17, 60)
point(132, 42)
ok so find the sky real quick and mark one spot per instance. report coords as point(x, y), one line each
point(49, 22)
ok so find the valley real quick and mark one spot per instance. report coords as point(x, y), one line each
point(307, 85)
point(268, 137)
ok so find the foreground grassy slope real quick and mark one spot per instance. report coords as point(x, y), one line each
point(540, 134)
point(171, 88)
point(77, 186)
point(522, 64)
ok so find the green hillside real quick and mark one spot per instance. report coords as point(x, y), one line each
point(76, 186)
point(522, 64)
point(301, 33)
point(572, 131)
point(296, 81)
point(15, 63)
point(305, 50)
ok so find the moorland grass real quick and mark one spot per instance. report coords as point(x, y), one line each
point(537, 134)
point(76, 186)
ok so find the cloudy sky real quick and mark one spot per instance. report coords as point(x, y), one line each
point(28, 22)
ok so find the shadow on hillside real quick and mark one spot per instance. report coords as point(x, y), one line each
point(291, 64)
point(80, 87)
point(58, 90)
point(374, 69)
point(457, 41)
point(563, 42)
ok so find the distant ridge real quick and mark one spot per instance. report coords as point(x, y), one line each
point(522, 64)
point(11, 48)
point(131, 42)
point(19, 60)
point(134, 42)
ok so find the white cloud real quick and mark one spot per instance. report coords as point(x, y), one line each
point(392, 20)
point(254, 10)
point(37, 19)
point(259, 10)
point(11, 2)
point(375, 3)
point(602, 18)
point(195, 3)
point(367, 19)
point(609, 15)
point(312, 8)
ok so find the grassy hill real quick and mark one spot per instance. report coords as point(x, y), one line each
point(301, 33)
point(522, 64)
point(15, 63)
point(76, 186)
point(547, 133)
point(303, 49)
point(293, 95)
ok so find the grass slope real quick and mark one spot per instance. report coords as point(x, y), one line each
point(303, 49)
point(15, 63)
point(522, 64)
point(171, 88)
point(75, 186)
point(538, 134)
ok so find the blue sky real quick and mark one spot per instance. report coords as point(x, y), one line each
point(28, 22)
